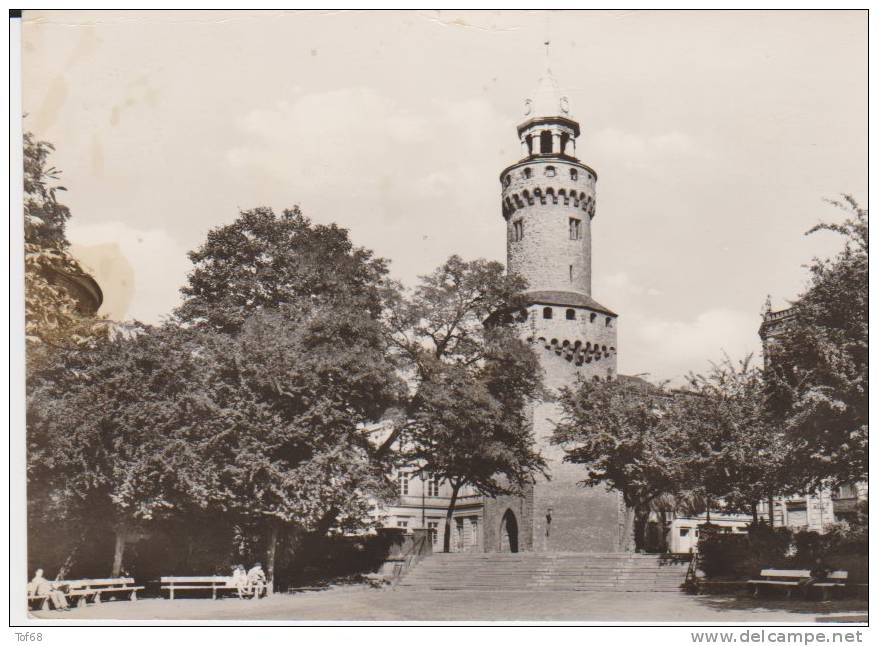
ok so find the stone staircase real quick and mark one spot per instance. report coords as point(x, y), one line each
point(560, 571)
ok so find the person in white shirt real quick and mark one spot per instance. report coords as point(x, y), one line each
point(256, 580)
point(239, 580)
point(39, 586)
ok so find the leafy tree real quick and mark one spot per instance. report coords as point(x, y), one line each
point(262, 260)
point(624, 434)
point(44, 217)
point(116, 434)
point(738, 454)
point(295, 388)
point(471, 380)
point(298, 305)
point(818, 366)
point(55, 316)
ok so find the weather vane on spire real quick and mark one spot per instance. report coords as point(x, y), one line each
point(547, 43)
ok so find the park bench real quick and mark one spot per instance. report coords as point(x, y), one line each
point(174, 584)
point(790, 580)
point(84, 589)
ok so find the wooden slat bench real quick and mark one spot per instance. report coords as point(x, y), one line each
point(213, 583)
point(790, 580)
point(97, 590)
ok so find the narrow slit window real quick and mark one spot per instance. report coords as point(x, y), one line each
point(570, 268)
point(571, 315)
point(517, 230)
point(574, 174)
point(575, 228)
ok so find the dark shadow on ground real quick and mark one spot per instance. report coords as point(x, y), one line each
point(856, 610)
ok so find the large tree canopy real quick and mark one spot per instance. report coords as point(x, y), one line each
point(263, 260)
point(819, 365)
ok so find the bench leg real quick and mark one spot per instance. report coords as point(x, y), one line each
point(789, 593)
point(81, 603)
point(213, 591)
point(755, 590)
point(97, 597)
point(172, 592)
point(45, 604)
point(133, 596)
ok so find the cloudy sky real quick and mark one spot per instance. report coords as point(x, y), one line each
point(716, 137)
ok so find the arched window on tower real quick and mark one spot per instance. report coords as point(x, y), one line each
point(527, 173)
point(609, 322)
point(571, 315)
point(546, 142)
point(574, 175)
point(565, 144)
point(550, 171)
point(547, 312)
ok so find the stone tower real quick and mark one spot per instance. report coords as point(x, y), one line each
point(548, 203)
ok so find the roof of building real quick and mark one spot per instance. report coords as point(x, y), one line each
point(573, 299)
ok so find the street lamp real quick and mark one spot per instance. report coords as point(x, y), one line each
point(423, 499)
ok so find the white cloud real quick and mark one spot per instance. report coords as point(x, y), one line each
point(669, 348)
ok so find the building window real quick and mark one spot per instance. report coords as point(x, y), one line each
point(402, 523)
point(574, 174)
point(550, 171)
point(403, 484)
point(547, 312)
point(517, 230)
point(609, 322)
point(575, 228)
point(433, 531)
point(684, 531)
point(433, 486)
point(545, 142)
point(527, 173)
point(571, 315)
point(592, 317)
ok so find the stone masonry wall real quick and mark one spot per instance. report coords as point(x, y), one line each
point(544, 205)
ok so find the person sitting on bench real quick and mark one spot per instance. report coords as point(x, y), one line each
point(818, 573)
point(256, 580)
point(240, 581)
point(39, 586)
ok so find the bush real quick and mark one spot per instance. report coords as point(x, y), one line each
point(738, 556)
point(722, 555)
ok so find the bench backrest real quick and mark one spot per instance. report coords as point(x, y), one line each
point(95, 583)
point(785, 574)
point(195, 579)
point(838, 575)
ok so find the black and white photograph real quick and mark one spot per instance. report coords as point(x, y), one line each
point(440, 317)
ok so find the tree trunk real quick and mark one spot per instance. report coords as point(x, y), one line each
point(755, 510)
point(641, 516)
point(663, 532)
point(449, 516)
point(119, 552)
point(771, 511)
point(270, 555)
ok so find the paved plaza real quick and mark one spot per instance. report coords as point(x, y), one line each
point(364, 604)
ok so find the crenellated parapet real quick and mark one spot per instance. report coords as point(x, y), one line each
point(576, 351)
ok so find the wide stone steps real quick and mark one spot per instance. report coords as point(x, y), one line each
point(547, 571)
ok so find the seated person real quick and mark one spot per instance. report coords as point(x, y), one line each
point(239, 581)
point(256, 580)
point(39, 586)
